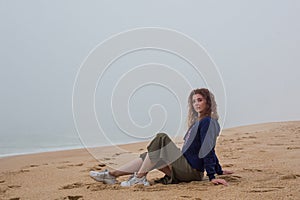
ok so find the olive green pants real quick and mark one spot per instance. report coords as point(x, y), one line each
point(163, 151)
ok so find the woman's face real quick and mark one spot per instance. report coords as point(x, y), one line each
point(199, 103)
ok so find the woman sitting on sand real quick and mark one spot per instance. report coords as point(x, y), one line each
point(197, 154)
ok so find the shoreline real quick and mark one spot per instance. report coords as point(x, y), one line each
point(81, 146)
point(38, 152)
point(58, 149)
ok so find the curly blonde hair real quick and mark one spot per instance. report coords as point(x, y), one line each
point(211, 106)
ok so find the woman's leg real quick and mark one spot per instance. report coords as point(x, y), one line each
point(161, 148)
point(166, 170)
point(147, 166)
point(128, 168)
point(161, 152)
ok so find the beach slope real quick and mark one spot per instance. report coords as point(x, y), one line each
point(264, 157)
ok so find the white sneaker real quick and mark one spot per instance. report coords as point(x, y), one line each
point(103, 176)
point(133, 180)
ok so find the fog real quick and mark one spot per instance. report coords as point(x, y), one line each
point(255, 46)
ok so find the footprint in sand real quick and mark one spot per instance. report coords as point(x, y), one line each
point(261, 190)
point(71, 186)
point(185, 196)
point(292, 148)
point(96, 187)
point(70, 165)
point(266, 189)
point(101, 186)
point(249, 137)
point(95, 168)
point(3, 190)
point(110, 163)
point(77, 197)
point(62, 167)
point(276, 144)
point(252, 170)
point(227, 165)
point(15, 198)
point(75, 165)
point(289, 176)
point(65, 161)
point(14, 186)
point(231, 178)
point(88, 169)
point(101, 165)
point(106, 159)
point(153, 188)
point(2, 181)
point(117, 154)
point(278, 136)
point(24, 170)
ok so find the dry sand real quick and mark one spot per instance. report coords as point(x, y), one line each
point(264, 157)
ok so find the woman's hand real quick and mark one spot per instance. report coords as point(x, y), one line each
point(218, 181)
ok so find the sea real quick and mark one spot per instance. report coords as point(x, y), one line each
point(11, 145)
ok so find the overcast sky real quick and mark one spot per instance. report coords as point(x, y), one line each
point(254, 43)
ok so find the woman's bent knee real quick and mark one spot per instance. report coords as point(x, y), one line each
point(161, 135)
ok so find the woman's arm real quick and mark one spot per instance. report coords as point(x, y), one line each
point(207, 141)
point(210, 167)
point(208, 135)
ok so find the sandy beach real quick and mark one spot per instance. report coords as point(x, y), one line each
point(264, 157)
